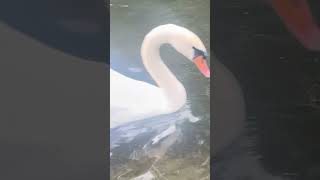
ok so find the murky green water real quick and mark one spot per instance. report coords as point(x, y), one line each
point(185, 154)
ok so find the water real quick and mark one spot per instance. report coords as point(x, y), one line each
point(175, 146)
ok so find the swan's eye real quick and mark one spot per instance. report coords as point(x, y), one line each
point(198, 52)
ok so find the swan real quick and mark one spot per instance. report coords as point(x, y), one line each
point(132, 100)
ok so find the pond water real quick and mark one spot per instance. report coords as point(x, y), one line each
point(137, 149)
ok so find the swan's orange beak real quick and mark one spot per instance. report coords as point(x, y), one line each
point(202, 65)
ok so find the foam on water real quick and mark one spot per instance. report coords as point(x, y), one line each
point(164, 134)
point(146, 176)
point(161, 126)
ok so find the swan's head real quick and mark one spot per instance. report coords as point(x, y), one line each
point(184, 41)
point(189, 44)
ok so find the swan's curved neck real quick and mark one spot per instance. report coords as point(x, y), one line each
point(150, 51)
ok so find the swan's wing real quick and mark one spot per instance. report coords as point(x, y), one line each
point(132, 100)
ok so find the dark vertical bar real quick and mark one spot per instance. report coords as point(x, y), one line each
point(54, 84)
point(107, 134)
point(278, 77)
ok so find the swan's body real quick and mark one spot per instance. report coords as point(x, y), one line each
point(132, 100)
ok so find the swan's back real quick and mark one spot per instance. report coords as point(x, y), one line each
point(133, 100)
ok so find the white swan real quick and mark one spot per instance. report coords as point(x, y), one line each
point(132, 100)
